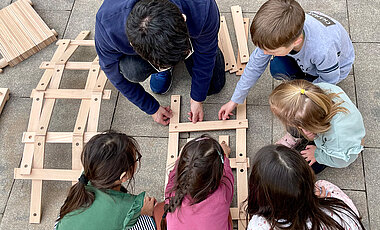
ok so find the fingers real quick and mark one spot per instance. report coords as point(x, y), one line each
point(312, 162)
point(195, 118)
point(190, 117)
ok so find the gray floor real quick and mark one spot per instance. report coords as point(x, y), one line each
point(69, 17)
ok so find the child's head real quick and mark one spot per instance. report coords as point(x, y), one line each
point(108, 159)
point(277, 26)
point(303, 105)
point(282, 187)
point(199, 171)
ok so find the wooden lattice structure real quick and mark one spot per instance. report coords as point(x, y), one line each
point(22, 33)
point(44, 97)
point(240, 162)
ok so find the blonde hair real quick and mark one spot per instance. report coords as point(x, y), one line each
point(301, 104)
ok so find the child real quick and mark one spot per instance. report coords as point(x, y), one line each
point(322, 113)
point(282, 195)
point(98, 200)
point(308, 46)
point(200, 188)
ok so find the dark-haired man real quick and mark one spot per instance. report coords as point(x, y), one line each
point(137, 39)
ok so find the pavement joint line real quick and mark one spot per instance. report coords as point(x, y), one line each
point(348, 19)
point(366, 193)
point(114, 109)
point(68, 19)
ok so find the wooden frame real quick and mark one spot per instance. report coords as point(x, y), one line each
point(240, 162)
point(4, 97)
point(44, 97)
point(22, 33)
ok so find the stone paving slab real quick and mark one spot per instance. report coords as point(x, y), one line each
point(360, 200)
point(55, 19)
point(52, 5)
point(368, 89)
point(372, 172)
point(364, 20)
point(5, 3)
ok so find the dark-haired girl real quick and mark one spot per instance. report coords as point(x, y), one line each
point(283, 195)
point(99, 200)
point(200, 188)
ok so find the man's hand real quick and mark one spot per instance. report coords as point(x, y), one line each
point(163, 115)
point(226, 110)
point(308, 154)
point(148, 206)
point(196, 113)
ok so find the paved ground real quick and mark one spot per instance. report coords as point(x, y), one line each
point(69, 17)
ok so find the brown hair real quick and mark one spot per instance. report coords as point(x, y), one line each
point(104, 158)
point(198, 174)
point(281, 187)
point(277, 23)
point(301, 104)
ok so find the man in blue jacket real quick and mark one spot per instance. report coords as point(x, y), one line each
point(137, 39)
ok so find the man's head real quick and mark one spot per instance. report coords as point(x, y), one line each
point(277, 27)
point(158, 32)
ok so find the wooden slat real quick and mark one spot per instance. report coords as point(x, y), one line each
point(241, 66)
point(93, 117)
point(72, 94)
point(79, 42)
point(56, 137)
point(237, 17)
point(69, 65)
point(49, 174)
point(234, 164)
point(228, 51)
point(208, 126)
point(173, 145)
point(4, 97)
point(72, 48)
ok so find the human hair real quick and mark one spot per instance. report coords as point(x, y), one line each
point(158, 32)
point(281, 187)
point(104, 158)
point(198, 173)
point(301, 104)
point(278, 23)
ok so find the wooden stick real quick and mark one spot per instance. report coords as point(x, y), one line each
point(56, 137)
point(4, 97)
point(228, 51)
point(72, 94)
point(208, 126)
point(79, 42)
point(241, 66)
point(237, 17)
point(49, 174)
point(69, 65)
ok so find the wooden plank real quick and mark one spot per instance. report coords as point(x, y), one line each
point(57, 137)
point(237, 17)
point(173, 145)
point(71, 49)
point(225, 40)
point(241, 66)
point(49, 174)
point(72, 94)
point(234, 163)
point(93, 117)
point(69, 65)
point(208, 126)
point(4, 97)
point(80, 42)
point(11, 43)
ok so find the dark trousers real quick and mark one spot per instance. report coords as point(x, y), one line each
point(136, 69)
point(286, 68)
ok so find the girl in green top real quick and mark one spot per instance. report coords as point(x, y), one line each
point(99, 200)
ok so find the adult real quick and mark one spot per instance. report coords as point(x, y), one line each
point(137, 39)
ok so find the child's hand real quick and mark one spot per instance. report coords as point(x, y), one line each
point(308, 154)
point(321, 192)
point(148, 206)
point(226, 148)
point(226, 111)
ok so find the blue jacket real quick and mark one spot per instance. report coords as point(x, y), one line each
point(111, 42)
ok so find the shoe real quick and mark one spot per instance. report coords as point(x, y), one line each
point(289, 141)
point(161, 82)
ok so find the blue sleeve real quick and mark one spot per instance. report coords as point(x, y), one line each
point(328, 68)
point(205, 49)
point(109, 62)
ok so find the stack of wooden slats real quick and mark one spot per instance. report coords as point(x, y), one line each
point(22, 33)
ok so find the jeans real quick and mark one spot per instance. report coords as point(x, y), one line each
point(286, 68)
point(136, 69)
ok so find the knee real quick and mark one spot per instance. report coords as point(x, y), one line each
point(134, 71)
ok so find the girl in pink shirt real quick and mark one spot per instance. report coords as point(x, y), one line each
point(200, 188)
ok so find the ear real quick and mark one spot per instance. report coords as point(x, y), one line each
point(298, 41)
point(124, 177)
point(184, 17)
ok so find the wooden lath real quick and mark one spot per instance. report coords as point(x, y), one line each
point(240, 162)
point(22, 33)
point(44, 97)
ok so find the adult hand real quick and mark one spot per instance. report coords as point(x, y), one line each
point(226, 110)
point(308, 154)
point(226, 148)
point(148, 206)
point(196, 113)
point(163, 115)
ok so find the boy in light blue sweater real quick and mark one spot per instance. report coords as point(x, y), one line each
point(308, 46)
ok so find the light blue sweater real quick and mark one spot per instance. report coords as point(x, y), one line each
point(341, 144)
point(327, 52)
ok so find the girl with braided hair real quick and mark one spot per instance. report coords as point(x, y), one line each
point(99, 200)
point(322, 113)
point(200, 187)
